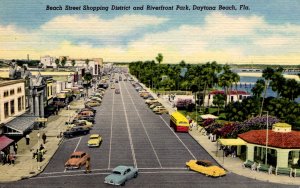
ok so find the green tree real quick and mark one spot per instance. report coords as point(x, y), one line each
point(267, 75)
point(258, 88)
point(87, 79)
point(159, 58)
point(57, 63)
point(219, 100)
point(73, 62)
point(63, 61)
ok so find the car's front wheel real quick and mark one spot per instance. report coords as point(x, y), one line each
point(188, 168)
point(135, 174)
point(122, 184)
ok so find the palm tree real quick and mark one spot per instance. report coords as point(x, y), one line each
point(63, 61)
point(219, 100)
point(73, 62)
point(258, 88)
point(87, 78)
point(57, 63)
point(267, 75)
point(159, 58)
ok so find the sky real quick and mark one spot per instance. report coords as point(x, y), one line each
point(268, 32)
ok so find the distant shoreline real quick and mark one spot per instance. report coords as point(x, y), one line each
point(258, 74)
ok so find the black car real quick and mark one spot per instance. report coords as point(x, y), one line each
point(76, 131)
point(88, 118)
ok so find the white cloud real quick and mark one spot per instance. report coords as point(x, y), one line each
point(91, 26)
point(224, 38)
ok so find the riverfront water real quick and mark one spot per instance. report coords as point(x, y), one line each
point(247, 82)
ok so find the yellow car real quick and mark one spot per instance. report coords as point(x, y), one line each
point(205, 167)
point(95, 140)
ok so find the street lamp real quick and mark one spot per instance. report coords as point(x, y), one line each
point(267, 137)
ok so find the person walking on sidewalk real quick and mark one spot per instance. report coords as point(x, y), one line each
point(44, 137)
point(88, 165)
point(16, 147)
point(27, 139)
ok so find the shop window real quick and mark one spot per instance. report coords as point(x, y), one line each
point(12, 92)
point(12, 107)
point(6, 112)
point(240, 97)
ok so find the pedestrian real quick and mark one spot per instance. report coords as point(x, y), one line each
point(27, 139)
point(2, 157)
point(16, 147)
point(44, 137)
point(68, 107)
point(88, 165)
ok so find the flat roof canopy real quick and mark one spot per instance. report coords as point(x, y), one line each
point(231, 142)
point(208, 116)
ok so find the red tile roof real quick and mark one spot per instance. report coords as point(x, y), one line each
point(233, 92)
point(288, 140)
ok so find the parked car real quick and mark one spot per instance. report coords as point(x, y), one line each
point(116, 81)
point(112, 86)
point(93, 103)
point(151, 101)
point(76, 121)
point(76, 131)
point(98, 99)
point(161, 111)
point(95, 140)
point(157, 108)
point(86, 113)
point(205, 167)
point(88, 118)
point(121, 174)
point(83, 125)
point(117, 91)
point(89, 108)
point(76, 160)
point(155, 104)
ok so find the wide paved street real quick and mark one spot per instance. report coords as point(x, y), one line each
point(133, 135)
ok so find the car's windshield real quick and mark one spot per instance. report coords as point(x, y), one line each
point(75, 156)
point(116, 172)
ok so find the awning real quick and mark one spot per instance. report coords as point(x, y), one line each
point(41, 120)
point(4, 142)
point(20, 124)
point(209, 116)
point(232, 142)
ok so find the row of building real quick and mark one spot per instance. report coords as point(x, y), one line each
point(29, 95)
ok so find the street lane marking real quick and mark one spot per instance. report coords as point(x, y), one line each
point(111, 124)
point(178, 138)
point(144, 128)
point(128, 129)
point(75, 149)
point(77, 144)
point(105, 169)
point(107, 173)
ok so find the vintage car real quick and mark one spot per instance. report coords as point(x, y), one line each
point(95, 140)
point(158, 108)
point(98, 99)
point(76, 160)
point(161, 111)
point(151, 101)
point(88, 118)
point(88, 108)
point(81, 121)
point(121, 174)
point(153, 105)
point(205, 167)
point(86, 113)
point(117, 91)
point(93, 103)
point(112, 86)
point(76, 131)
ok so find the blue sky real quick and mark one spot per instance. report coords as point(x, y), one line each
point(268, 33)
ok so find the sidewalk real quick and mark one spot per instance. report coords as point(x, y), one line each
point(25, 166)
point(232, 165)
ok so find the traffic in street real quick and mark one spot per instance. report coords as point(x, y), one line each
point(132, 135)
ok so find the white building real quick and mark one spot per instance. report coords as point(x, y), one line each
point(232, 96)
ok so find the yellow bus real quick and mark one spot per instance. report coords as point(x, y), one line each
point(179, 122)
